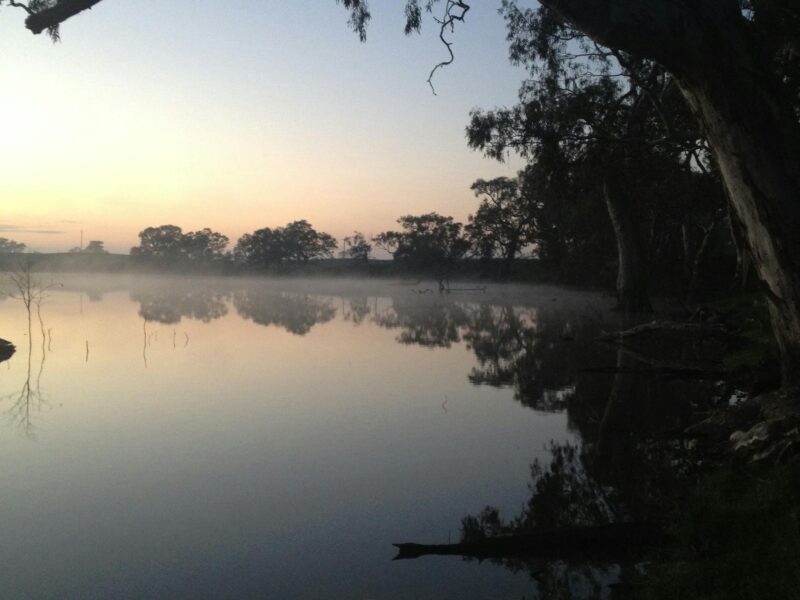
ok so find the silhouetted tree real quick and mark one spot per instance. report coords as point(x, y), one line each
point(298, 241)
point(737, 65)
point(614, 122)
point(95, 247)
point(260, 248)
point(302, 242)
point(204, 245)
point(357, 247)
point(429, 241)
point(7, 245)
point(169, 242)
point(165, 241)
point(735, 62)
point(505, 222)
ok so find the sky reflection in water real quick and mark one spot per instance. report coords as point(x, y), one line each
point(226, 438)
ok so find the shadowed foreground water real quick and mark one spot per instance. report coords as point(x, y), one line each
point(228, 438)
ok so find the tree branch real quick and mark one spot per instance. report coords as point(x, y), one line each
point(24, 7)
point(664, 30)
point(449, 21)
point(58, 13)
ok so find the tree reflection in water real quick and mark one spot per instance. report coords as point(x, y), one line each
point(537, 352)
point(622, 469)
point(619, 470)
point(295, 312)
point(169, 304)
point(432, 322)
point(356, 309)
point(30, 398)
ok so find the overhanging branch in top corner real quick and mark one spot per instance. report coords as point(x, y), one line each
point(59, 12)
point(451, 15)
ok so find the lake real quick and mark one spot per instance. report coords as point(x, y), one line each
point(229, 438)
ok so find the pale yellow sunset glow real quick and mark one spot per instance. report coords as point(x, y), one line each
point(125, 125)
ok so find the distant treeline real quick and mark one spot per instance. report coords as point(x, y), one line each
point(513, 235)
point(506, 239)
point(502, 241)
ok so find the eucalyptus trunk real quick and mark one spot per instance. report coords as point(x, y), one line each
point(632, 275)
point(508, 259)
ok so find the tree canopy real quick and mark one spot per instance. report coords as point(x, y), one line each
point(735, 63)
point(169, 242)
point(505, 222)
point(298, 241)
point(357, 247)
point(7, 245)
point(425, 240)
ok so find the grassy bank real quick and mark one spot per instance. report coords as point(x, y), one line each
point(737, 538)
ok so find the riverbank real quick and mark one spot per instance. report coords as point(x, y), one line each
point(738, 537)
point(735, 530)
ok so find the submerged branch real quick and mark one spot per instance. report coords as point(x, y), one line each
point(603, 542)
point(708, 329)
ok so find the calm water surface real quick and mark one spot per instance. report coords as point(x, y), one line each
point(172, 438)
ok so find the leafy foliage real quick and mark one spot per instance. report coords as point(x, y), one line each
point(429, 240)
point(297, 313)
point(169, 242)
point(595, 122)
point(7, 245)
point(505, 222)
point(357, 246)
point(360, 14)
point(298, 241)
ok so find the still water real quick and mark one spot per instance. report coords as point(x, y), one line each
point(170, 438)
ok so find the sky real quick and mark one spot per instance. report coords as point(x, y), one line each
point(239, 115)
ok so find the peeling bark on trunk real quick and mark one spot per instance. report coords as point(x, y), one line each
point(759, 169)
point(632, 276)
point(743, 263)
point(747, 118)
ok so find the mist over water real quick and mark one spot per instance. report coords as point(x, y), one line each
point(169, 437)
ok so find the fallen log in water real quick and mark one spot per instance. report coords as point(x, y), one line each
point(670, 368)
point(682, 327)
point(602, 542)
point(473, 289)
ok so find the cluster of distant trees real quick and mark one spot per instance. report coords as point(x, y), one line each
point(298, 241)
point(7, 246)
point(424, 242)
point(553, 211)
point(93, 247)
point(169, 242)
